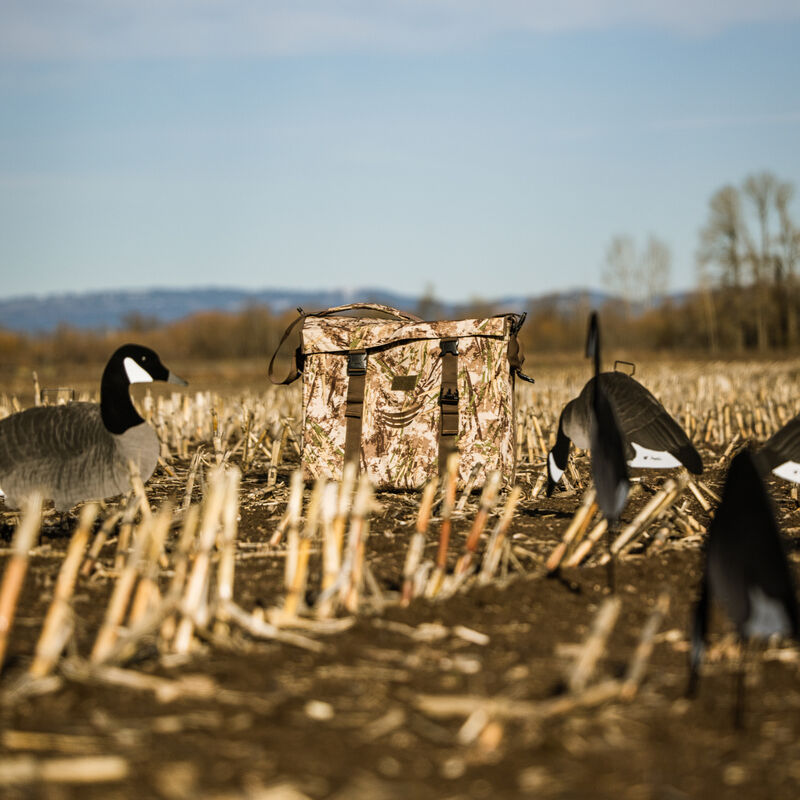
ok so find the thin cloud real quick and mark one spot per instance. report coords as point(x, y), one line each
point(134, 29)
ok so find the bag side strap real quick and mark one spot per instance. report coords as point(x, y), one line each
point(354, 407)
point(297, 358)
point(516, 358)
point(448, 401)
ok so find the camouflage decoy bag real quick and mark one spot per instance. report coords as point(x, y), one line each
point(399, 395)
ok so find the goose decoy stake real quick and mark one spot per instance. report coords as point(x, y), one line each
point(81, 451)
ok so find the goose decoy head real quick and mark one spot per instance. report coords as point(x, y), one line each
point(140, 364)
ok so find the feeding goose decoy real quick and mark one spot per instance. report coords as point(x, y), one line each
point(652, 438)
point(780, 454)
point(746, 569)
point(81, 451)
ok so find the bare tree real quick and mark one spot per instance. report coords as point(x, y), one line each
point(787, 258)
point(723, 248)
point(722, 240)
point(761, 189)
point(654, 270)
point(755, 273)
point(620, 269)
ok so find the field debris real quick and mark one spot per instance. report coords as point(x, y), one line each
point(442, 636)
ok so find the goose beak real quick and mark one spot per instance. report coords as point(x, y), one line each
point(173, 378)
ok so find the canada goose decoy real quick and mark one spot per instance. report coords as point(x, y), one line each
point(81, 451)
point(780, 454)
point(746, 569)
point(606, 447)
point(652, 439)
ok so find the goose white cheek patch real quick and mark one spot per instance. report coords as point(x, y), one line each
point(789, 471)
point(652, 459)
point(555, 472)
point(135, 373)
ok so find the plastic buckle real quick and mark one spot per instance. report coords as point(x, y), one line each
point(448, 397)
point(449, 347)
point(357, 363)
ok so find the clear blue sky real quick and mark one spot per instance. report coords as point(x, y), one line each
point(484, 148)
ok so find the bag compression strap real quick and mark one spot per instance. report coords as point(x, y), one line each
point(448, 401)
point(354, 408)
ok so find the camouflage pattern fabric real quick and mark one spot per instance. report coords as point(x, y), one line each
point(401, 419)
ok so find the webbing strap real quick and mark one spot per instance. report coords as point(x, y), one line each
point(448, 401)
point(354, 407)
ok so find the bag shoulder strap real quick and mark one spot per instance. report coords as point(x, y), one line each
point(448, 401)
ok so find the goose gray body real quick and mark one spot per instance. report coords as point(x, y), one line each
point(81, 451)
point(66, 453)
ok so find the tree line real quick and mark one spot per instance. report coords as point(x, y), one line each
point(747, 299)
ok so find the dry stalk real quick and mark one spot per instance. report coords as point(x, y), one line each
point(497, 540)
point(539, 485)
point(292, 436)
point(594, 645)
point(98, 542)
point(138, 488)
point(216, 437)
point(488, 499)
point(59, 615)
point(291, 517)
point(416, 546)
point(190, 478)
point(260, 629)
point(644, 649)
point(294, 510)
point(14, 575)
point(230, 512)
point(194, 598)
point(181, 567)
point(468, 487)
point(652, 510)
point(147, 594)
point(134, 502)
point(445, 706)
point(729, 449)
point(24, 770)
point(357, 537)
point(705, 505)
point(583, 549)
point(121, 595)
point(448, 502)
point(331, 548)
point(576, 528)
point(299, 579)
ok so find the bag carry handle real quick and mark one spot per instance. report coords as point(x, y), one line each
point(296, 369)
point(392, 312)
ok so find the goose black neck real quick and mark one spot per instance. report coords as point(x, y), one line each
point(116, 408)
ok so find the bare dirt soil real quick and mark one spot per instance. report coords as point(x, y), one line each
point(356, 720)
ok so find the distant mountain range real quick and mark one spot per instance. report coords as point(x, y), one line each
point(115, 309)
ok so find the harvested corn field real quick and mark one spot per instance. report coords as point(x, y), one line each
point(226, 632)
